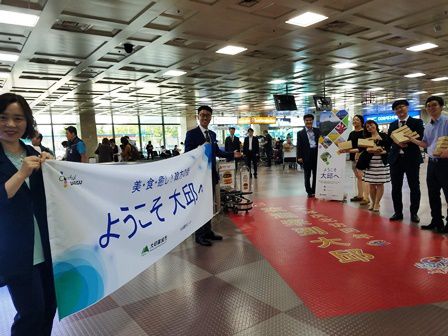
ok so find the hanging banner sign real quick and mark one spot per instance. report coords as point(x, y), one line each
point(108, 223)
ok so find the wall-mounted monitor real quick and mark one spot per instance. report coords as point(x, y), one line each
point(285, 102)
point(322, 103)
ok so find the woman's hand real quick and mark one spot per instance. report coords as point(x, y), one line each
point(45, 156)
point(29, 164)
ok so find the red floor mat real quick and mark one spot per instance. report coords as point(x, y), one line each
point(342, 260)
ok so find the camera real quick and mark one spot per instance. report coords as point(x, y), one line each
point(128, 47)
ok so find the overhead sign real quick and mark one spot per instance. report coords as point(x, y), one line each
point(256, 120)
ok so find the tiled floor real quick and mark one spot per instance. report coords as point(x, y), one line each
point(230, 289)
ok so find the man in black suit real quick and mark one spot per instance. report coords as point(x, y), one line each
point(193, 139)
point(307, 141)
point(232, 142)
point(268, 147)
point(405, 159)
point(251, 151)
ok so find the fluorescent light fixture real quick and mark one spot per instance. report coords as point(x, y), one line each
point(376, 89)
point(181, 105)
point(419, 105)
point(277, 81)
point(239, 91)
point(174, 73)
point(9, 57)
point(231, 50)
point(414, 75)
point(400, 98)
point(5, 74)
point(420, 92)
point(421, 47)
point(438, 94)
point(439, 79)
point(344, 65)
point(19, 19)
point(349, 86)
point(307, 19)
point(205, 99)
point(309, 94)
point(382, 97)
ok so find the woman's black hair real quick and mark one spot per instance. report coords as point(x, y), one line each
point(7, 99)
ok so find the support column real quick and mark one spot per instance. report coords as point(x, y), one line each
point(88, 131)
point(187, 122)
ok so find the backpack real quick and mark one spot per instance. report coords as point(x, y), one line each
point(135, 154)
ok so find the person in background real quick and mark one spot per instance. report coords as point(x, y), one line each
point(115, 150)
point(232, 142)
point(307, 140)
point(64, 145)
point(251, 151)
point(25, 257)
point(37, 143)
point(436, 175)
point(175, 151)
point(76, 150)
point(268, 147)
point(405, 159)
point(149, 150)
point(125, 149)
point(104, 151)
point(193, 139)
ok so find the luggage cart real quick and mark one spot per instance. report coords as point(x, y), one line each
point(238, 200)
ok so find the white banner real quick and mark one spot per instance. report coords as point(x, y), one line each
point(330, 177)
point(108, 223)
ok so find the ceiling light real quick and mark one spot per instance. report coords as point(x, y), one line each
point(439, 79)
point(239, 91)
point(307, 19)
point(309, 94)
point(382, 97)
point(438, 94)
point(376, 89)
point(205, 99)
point(414, 75)
point(174, 73)
point(349, 86)
point(420, 92)
point(20, 19)
point(400, 98)
point(421, 47)
point(344, 65)
point(9, 57)
point(277, 81)
point(231, 50)
point(181, 105)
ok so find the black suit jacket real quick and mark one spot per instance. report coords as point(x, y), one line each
point(17, 222)
point(255, 146)
point(303, 145)
point(412, 153)
point(230, 145)
point(195, 138)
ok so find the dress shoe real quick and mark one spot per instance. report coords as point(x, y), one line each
point(356, 199)
point(396, 217)
point(202, 241)
point(442, 229)
point(364, 202)
point(431, 226)
point(415, 218)
point(213, 236)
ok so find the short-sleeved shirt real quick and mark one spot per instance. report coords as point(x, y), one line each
point(434, 130)
point(353, 137)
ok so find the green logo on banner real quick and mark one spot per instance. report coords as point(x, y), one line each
point(145, 250)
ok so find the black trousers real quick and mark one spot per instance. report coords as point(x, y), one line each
point(206, 229)
point(251, 158)
point(397, 171)
point(34, 298)
point(310, 167)
point(268, 151)
point(436, 179)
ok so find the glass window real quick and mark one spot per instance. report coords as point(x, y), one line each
point(131, 131)
point(125, 119)
point(171, 120)
point(66, 119)
point(147, 119)
point(104, 131)
point(45, 130)
point(42, 118)
point(59, 136)
point(153, 133)
point(103, 118)
point(172, 133)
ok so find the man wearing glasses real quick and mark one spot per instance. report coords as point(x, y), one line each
point(405, 158)
point(195, 138)
point(436, 176)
